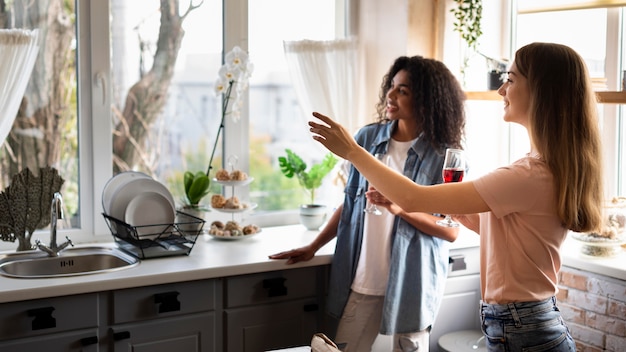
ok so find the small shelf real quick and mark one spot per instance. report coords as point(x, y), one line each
point(604, 97)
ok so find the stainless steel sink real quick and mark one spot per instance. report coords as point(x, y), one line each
point(70, 262)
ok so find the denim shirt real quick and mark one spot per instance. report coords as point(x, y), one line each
point(418, 263)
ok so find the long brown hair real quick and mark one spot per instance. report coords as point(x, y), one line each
point(564, 128)
point(438, 99)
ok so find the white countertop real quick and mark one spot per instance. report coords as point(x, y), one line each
point(614, 267)
point(212, 258)
point(209, 258)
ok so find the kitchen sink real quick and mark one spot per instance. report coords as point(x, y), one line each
point(70, 262)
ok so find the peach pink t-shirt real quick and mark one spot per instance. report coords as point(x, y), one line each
point(520, 237)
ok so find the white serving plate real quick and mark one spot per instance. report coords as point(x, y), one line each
point(148, 209)
point(246, 207)
point(234, 238)
point(114, 183)
point(126, 193)
point(234, 183)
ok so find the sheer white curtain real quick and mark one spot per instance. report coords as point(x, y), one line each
point(325, 75)
point(18, 51)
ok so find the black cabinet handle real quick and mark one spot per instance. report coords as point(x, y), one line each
point(275, 287)
point(458, 262)
point(42, 318)
point(313, 307)
point(87, 341)
point(167, 301)
point(122, 335)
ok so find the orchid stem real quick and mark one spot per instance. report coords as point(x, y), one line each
point(225, 101)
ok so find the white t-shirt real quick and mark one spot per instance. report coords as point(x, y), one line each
point(372, 270)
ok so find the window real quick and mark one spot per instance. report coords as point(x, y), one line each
point(594, 31)
point(276, 120)
point(597, 34)
point(110, 106)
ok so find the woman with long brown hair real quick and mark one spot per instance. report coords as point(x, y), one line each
point(522, 212)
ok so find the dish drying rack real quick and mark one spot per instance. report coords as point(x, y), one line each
point(144, 242)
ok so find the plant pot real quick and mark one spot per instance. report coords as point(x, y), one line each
point(494, 80)
point(189, 226)
point(312, 216)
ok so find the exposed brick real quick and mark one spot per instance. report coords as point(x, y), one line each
point(591, 337)
point(617, 309)
point(605, 323)
point(587, 301)
point(581, 347)
point(572, 314)
point(607, 287)
point(615, 343)
point(573, 279)
point(561, 296)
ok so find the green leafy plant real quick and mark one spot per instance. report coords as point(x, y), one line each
point(468, 15)
point(196, 187)
point(292, 165)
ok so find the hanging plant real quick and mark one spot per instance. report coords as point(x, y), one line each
point(467, 15)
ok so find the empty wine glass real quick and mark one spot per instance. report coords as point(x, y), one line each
point(372, 208)
point(453, 171)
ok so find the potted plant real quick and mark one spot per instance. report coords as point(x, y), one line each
point(312, 215)
point(196, 186)
point(468, 16)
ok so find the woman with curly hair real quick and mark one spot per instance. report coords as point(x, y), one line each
point(389, 270)
point(522, 212)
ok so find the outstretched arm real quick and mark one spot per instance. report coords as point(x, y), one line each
point(452, 198)
point(308, 252)
point(422, 221)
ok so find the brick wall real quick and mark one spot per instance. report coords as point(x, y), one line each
point(594, 307)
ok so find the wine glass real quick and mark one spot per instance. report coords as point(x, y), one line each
point(372, 208)
point(453, 171)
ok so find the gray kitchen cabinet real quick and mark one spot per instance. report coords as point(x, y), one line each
point(179, 316)
point(67, 323)
point(251, 312)
point(273, 310)
point(190, 333)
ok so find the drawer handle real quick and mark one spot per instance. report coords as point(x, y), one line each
point(458, 262)
point(122, 335)
point(86, 341)
point(275, 287)
point(167, 301)
point(42, 318)
point(313, 307)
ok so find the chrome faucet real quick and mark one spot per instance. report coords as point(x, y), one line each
point(56, 213)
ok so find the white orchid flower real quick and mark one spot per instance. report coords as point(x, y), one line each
point(236, 59)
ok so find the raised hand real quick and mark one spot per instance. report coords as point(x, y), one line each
point(333, 136)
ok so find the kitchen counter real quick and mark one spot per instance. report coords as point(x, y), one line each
point(209, 258)
point(614, 267)
point(212, 258)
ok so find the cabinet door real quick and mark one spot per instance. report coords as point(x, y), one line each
point(48, 316)
point(194, 332)
point(271, 326)
point(83, 340)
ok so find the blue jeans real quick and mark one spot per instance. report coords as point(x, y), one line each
point(525, 326)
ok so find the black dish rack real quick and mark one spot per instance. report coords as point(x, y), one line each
point(157, 240)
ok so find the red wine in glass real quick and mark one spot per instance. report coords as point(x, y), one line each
point(453, 171)
point(453, 175)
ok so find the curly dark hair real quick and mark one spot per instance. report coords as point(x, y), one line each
point(438, 99)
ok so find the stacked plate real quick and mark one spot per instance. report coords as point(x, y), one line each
point(140, 201)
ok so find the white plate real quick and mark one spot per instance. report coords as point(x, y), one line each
point(130, 190)
point(234, 183)
point(150, 208)
point(114, 183)
point(234, 238)
point(247, 207)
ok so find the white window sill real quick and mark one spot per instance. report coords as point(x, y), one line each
point(614, 267)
